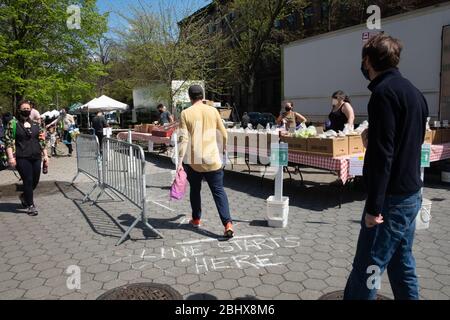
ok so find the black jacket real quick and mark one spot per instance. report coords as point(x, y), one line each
point(99, 123)
point(397, 119)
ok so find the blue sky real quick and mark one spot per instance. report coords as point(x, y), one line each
point(114, 6)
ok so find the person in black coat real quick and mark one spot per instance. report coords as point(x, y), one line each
point(397, 119)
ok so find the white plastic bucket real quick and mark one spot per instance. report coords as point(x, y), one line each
point(424, 216)
point(277, 212)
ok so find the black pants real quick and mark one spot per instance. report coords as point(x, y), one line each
point(30, 172)
point(100, 137)
point(67, 137)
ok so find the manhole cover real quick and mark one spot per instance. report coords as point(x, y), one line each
point(142, 291)
point(339, 295)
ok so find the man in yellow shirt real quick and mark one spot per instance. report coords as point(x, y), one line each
point(200, 134)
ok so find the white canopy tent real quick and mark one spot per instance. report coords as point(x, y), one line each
point(50, 114)
point(104, 104)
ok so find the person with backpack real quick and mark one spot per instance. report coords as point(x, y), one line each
point(25, 145)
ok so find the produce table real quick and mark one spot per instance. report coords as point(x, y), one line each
point(144, 137)
point(338, 165)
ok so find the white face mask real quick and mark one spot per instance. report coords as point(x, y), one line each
point(334, 102)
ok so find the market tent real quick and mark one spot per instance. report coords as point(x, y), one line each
point(50, 114)
point(105, 104)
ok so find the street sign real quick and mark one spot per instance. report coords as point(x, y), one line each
point(279, 155)
point(425, 157)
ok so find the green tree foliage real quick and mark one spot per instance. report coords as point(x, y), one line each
point(41, 58)
point(255, 35)
point(158, 45)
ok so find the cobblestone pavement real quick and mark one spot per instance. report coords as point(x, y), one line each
point(309, 258)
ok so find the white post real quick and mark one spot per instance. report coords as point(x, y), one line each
point(175, 159)
point(130, 140)
point(279, 184)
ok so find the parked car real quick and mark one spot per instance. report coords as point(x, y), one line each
point(261, 118)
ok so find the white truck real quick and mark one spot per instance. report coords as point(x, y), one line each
point(315, 67)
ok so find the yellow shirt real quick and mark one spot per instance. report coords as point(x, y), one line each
point(201, 133)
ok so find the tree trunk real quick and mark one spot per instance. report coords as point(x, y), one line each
point(251, 93)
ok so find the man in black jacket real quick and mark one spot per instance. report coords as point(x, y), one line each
point(397, 118)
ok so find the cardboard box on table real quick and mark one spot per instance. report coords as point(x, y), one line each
point(428, 137)
point(355, 145)
point(437, 136)
point(295, 144)
point(336, 147)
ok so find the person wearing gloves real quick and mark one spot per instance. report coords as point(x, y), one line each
point(397, 113)
point(342, 112)
point(64, 121)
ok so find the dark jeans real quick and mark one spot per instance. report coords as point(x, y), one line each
point(388, 245)
point(68, 138)
point(30, 172)
point(100, 140)
point(215, 183)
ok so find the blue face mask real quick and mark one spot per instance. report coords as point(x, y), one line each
point(364, 71)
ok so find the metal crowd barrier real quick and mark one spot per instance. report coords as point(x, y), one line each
point(88, 160)
point(124, 171)
point(120, 168)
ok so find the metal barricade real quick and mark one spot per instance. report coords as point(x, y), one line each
point(88, 160)
point(124, 171)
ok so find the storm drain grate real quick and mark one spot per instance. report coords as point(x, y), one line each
point(142, 291)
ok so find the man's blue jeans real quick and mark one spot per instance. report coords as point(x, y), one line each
point(387, 246)
point(215, 183)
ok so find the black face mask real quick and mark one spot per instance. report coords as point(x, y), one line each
point(25, 113)
point(288, 109)
point(364, 71)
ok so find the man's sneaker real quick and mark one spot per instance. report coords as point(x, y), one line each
point(22, 200)
point(195, 223)
point(229, 233)
point(32, 211)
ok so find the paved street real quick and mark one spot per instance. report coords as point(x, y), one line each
point(309, 258)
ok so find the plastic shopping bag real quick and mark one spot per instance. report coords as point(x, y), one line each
point(178, 189)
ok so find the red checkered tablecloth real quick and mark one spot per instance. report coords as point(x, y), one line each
point(139, 136)
point(440, 152)
point(339, 165)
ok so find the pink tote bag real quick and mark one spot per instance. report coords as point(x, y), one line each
point(178, 189)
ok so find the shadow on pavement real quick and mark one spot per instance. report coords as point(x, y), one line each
point(166, 224)
point(12, 208)
point(100, 221)
point(310, 196)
